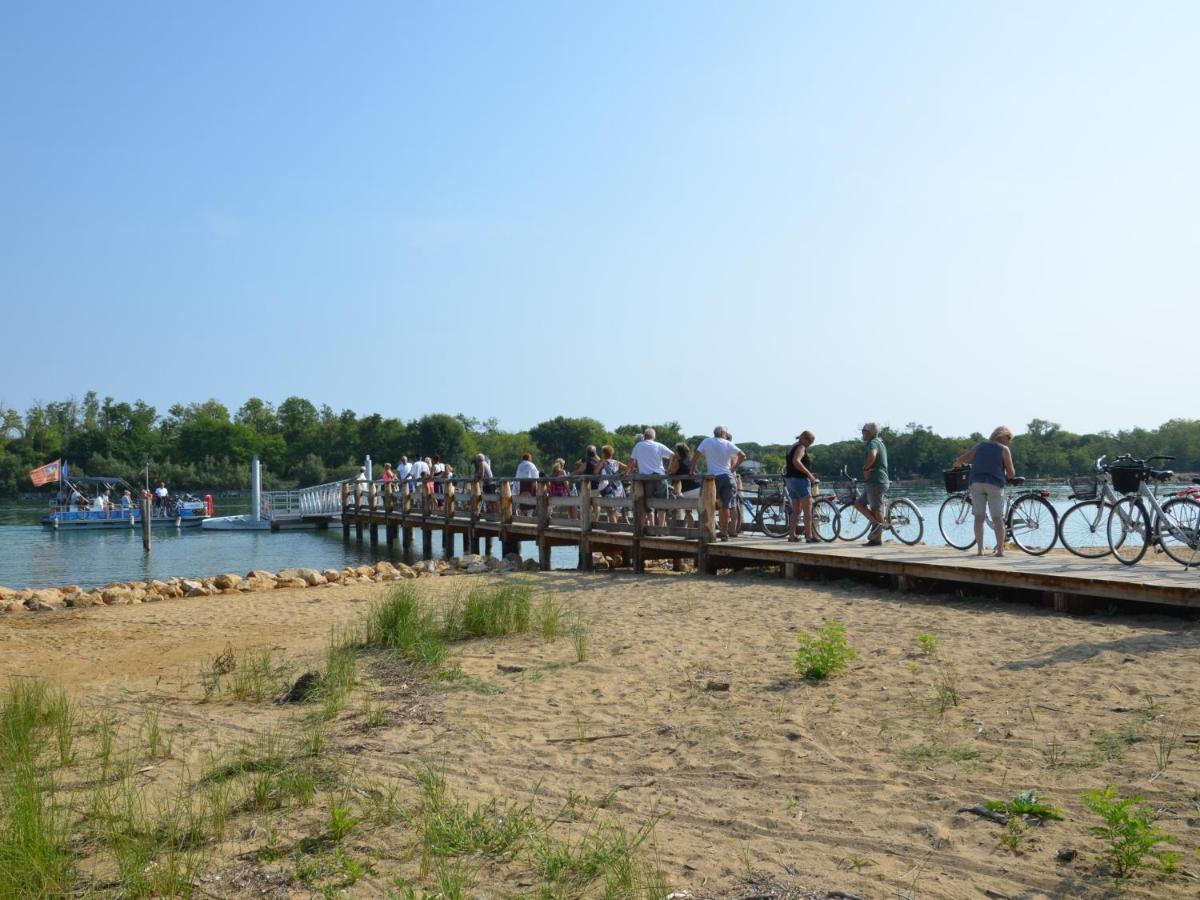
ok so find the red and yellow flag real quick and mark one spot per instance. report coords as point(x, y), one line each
point(47, 473)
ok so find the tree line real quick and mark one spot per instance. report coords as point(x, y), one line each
point(203, 446)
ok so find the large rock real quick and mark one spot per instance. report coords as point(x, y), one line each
point(43, 601)
point(403, 571)
point(190, 588)
point(530, 565)
point(260, 575)
point(477, 569)
point(296, 582)
point(491, 562)
point(309, 576)
point(428, 566)
point(11, 605)
point(70, 589)
point(114, 596)
point(162, 588)
point(227, 582)
point(367, 572)
point(333, 576)
point(6, 594)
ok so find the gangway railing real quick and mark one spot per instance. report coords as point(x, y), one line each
point(320, 500)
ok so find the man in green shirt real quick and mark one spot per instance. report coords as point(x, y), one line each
point(875, 474)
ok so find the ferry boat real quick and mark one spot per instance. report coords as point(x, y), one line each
point(106, 502)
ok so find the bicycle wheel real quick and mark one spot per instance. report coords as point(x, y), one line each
point(1032, 524)
point(1128, 530)
point(772, 515)
point(825, 519)
point(852, 524)
point(1083, 530)
point(956, 522)
point(1179, 530)
point(906, 521)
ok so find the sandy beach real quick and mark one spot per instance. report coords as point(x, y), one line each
point(687, 712)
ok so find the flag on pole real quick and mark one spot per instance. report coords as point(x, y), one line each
point(47, 473)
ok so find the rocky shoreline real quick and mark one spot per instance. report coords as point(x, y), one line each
point(124, 593)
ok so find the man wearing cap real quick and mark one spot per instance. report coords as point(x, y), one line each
point(875, 474)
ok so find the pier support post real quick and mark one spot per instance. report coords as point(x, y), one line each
point(345, 510)
point(543, 524)
point(639, 525)
point(146, 510)
point(426, 528)
point(447, 519)
point(372, 496)
point(708, 525)
point(506, 515)
point(585, 525)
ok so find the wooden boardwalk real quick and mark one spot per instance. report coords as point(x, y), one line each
point(463, 507)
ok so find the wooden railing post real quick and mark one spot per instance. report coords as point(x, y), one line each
point(389, 506)
point(639, 524)
point(405, 512)
point(585, 525)
point(476, 512)
point(426, 512)
point(374, 525)
point(506, 515)
point(345, 510)
point(448, 509)
point(543, 523)
point(708, 523)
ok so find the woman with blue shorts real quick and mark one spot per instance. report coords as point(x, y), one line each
point(800, 480)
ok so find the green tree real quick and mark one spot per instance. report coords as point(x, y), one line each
point(567, 437)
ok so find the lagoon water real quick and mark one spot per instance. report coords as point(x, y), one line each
point(33, 556)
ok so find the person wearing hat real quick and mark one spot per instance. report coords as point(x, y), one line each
point(799, 479)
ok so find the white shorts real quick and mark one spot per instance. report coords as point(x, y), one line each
point(989, 496)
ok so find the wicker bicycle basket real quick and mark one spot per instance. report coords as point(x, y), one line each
point(845, 491)
point(1085, 487)
point(957, 479)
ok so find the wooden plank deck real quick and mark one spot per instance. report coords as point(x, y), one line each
point(1057, 574)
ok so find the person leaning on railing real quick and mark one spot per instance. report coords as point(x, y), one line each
point(611, 485)
point(526, 471)
point(991, 469)
point(682, 468)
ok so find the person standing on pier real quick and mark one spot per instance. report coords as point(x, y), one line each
point(160, 497)
point(991, 468)
point(799, 480)
point(526, 485)
point(403, 472)
point(649, 455)
point(875, 474)
point(722, 457)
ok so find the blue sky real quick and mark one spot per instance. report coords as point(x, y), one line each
point(775, 216)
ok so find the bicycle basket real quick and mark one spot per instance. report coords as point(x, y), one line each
point(957, 479)
point(845, 492)
point(1126, 479)
point(1085, 487)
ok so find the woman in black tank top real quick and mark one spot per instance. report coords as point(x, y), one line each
point(799, 479)
point(683, 467)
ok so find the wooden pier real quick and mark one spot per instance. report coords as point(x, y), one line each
point(458, 506)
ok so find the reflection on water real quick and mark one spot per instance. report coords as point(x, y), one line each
point(32, 556)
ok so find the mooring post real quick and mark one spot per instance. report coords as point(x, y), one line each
point(358, 522)
point(146, 524)
point(543, 524)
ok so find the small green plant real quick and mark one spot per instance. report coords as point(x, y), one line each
point(1054, 755)
point(824, 653)
point(1128, 829)
point(1111, 746)
point(1166, 739)
point(341, 822)
point(1026, 803)
point(579, 640)
point(855, 863)
point(1013, 834)
point(945, 692)
point(550, 618)
point(491, 611)
point(928, 644)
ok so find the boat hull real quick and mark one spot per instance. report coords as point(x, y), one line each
point(80, 521)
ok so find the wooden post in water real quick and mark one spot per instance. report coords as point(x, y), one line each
point(345, 510)
point(146, 524)
point(389, 508)
point(708, 523)
point(639, 524)
point(585, 525)
point(406, 532)
point(543, 523)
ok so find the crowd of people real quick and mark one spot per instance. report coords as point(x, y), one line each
point(678, 472)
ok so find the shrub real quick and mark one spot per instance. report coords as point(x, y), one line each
point(490, 611)
point(401, 622)
point(824, 653)
point(1129, 830)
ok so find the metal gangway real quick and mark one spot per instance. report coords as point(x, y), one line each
point(316, 503)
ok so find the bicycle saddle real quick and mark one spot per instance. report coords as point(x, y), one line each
point(1162, 474)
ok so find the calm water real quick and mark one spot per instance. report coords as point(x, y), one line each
point(32, 556)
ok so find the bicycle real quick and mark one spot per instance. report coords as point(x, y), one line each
point(900, 516)
point(775, 508)
point(1028, 516)
point(1083, 529)
point(1175, 527)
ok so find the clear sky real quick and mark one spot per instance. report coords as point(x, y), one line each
point(772, 215)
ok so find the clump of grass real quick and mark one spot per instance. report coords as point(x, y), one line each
point(579, 640)
point(400, 622)
point(605, 854)
point(935, 752)
point(1112, 745)
point(945, 692)
point(825, 653)
point(450, 827)
point(340, 675)
point(927, 643)
point(490, 611)
point(1129, 831)
point(550, 614)
point(35, 831)
point(1166, 739)
point(1026, 803)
